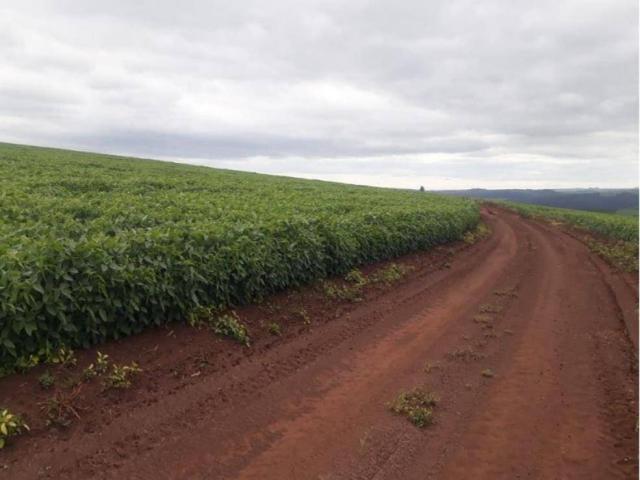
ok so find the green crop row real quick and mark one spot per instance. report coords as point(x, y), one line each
point(95, 247)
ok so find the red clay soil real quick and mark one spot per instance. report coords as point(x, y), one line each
point(530, 303)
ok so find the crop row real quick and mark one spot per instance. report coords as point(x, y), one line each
point(96, 247)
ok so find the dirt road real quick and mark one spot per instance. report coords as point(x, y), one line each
point(530, 305)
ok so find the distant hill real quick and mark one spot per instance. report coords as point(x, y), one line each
point(593, 199)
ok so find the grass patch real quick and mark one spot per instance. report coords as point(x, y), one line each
point(416, 405)
point(391, 273)
point(477, 234)
point(622, 255)
point(356, 277)
point(227, 325)
point(350, 293)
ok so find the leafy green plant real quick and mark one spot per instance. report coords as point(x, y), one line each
point(120, 375)
point(63, 356)
point(46, 380)
point(229, 325)
point(417, 405)
point(102, 362)
point(201, 317)
point(10, 425)
point(100, 367)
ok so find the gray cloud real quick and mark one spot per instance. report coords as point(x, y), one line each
point(446, 93)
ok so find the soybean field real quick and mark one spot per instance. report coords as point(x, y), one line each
point(95, 247)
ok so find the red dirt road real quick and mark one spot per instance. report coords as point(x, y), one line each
point(530, 303)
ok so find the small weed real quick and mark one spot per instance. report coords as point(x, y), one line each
point(120, 376)
point(487, 308)
point(351, 293)
point(102, 362)
point(487, 373)
point(480, 232)
point(356, 277)
point(64, 356)
point(22, 364)
point(466, 354)
point(483, 319)
point(60, 409)
point(392, 273)
point(303, 315)
point(429, 367)
point(70, 381)
point(99, 368)
point(275, 329)
point(89, 373)
point(507, 292)
point(417, 405)
point(46, 380)
point(229, 325)
point(10, 425)
point(201, 317)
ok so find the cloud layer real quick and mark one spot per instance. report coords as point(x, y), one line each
point(442, 93)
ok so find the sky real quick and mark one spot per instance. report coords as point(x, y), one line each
point(444, 94)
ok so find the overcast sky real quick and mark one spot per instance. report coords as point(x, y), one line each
point(445, 94)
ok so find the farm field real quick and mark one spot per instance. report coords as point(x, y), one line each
point(616, 227)
point(507, 355)
point(613, 236)
point(96, 247)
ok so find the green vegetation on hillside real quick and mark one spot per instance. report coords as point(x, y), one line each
point(96, 247)
point(621, 249)
point(617, 227)
point(628, 212)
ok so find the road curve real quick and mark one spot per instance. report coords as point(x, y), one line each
point(530, 303)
